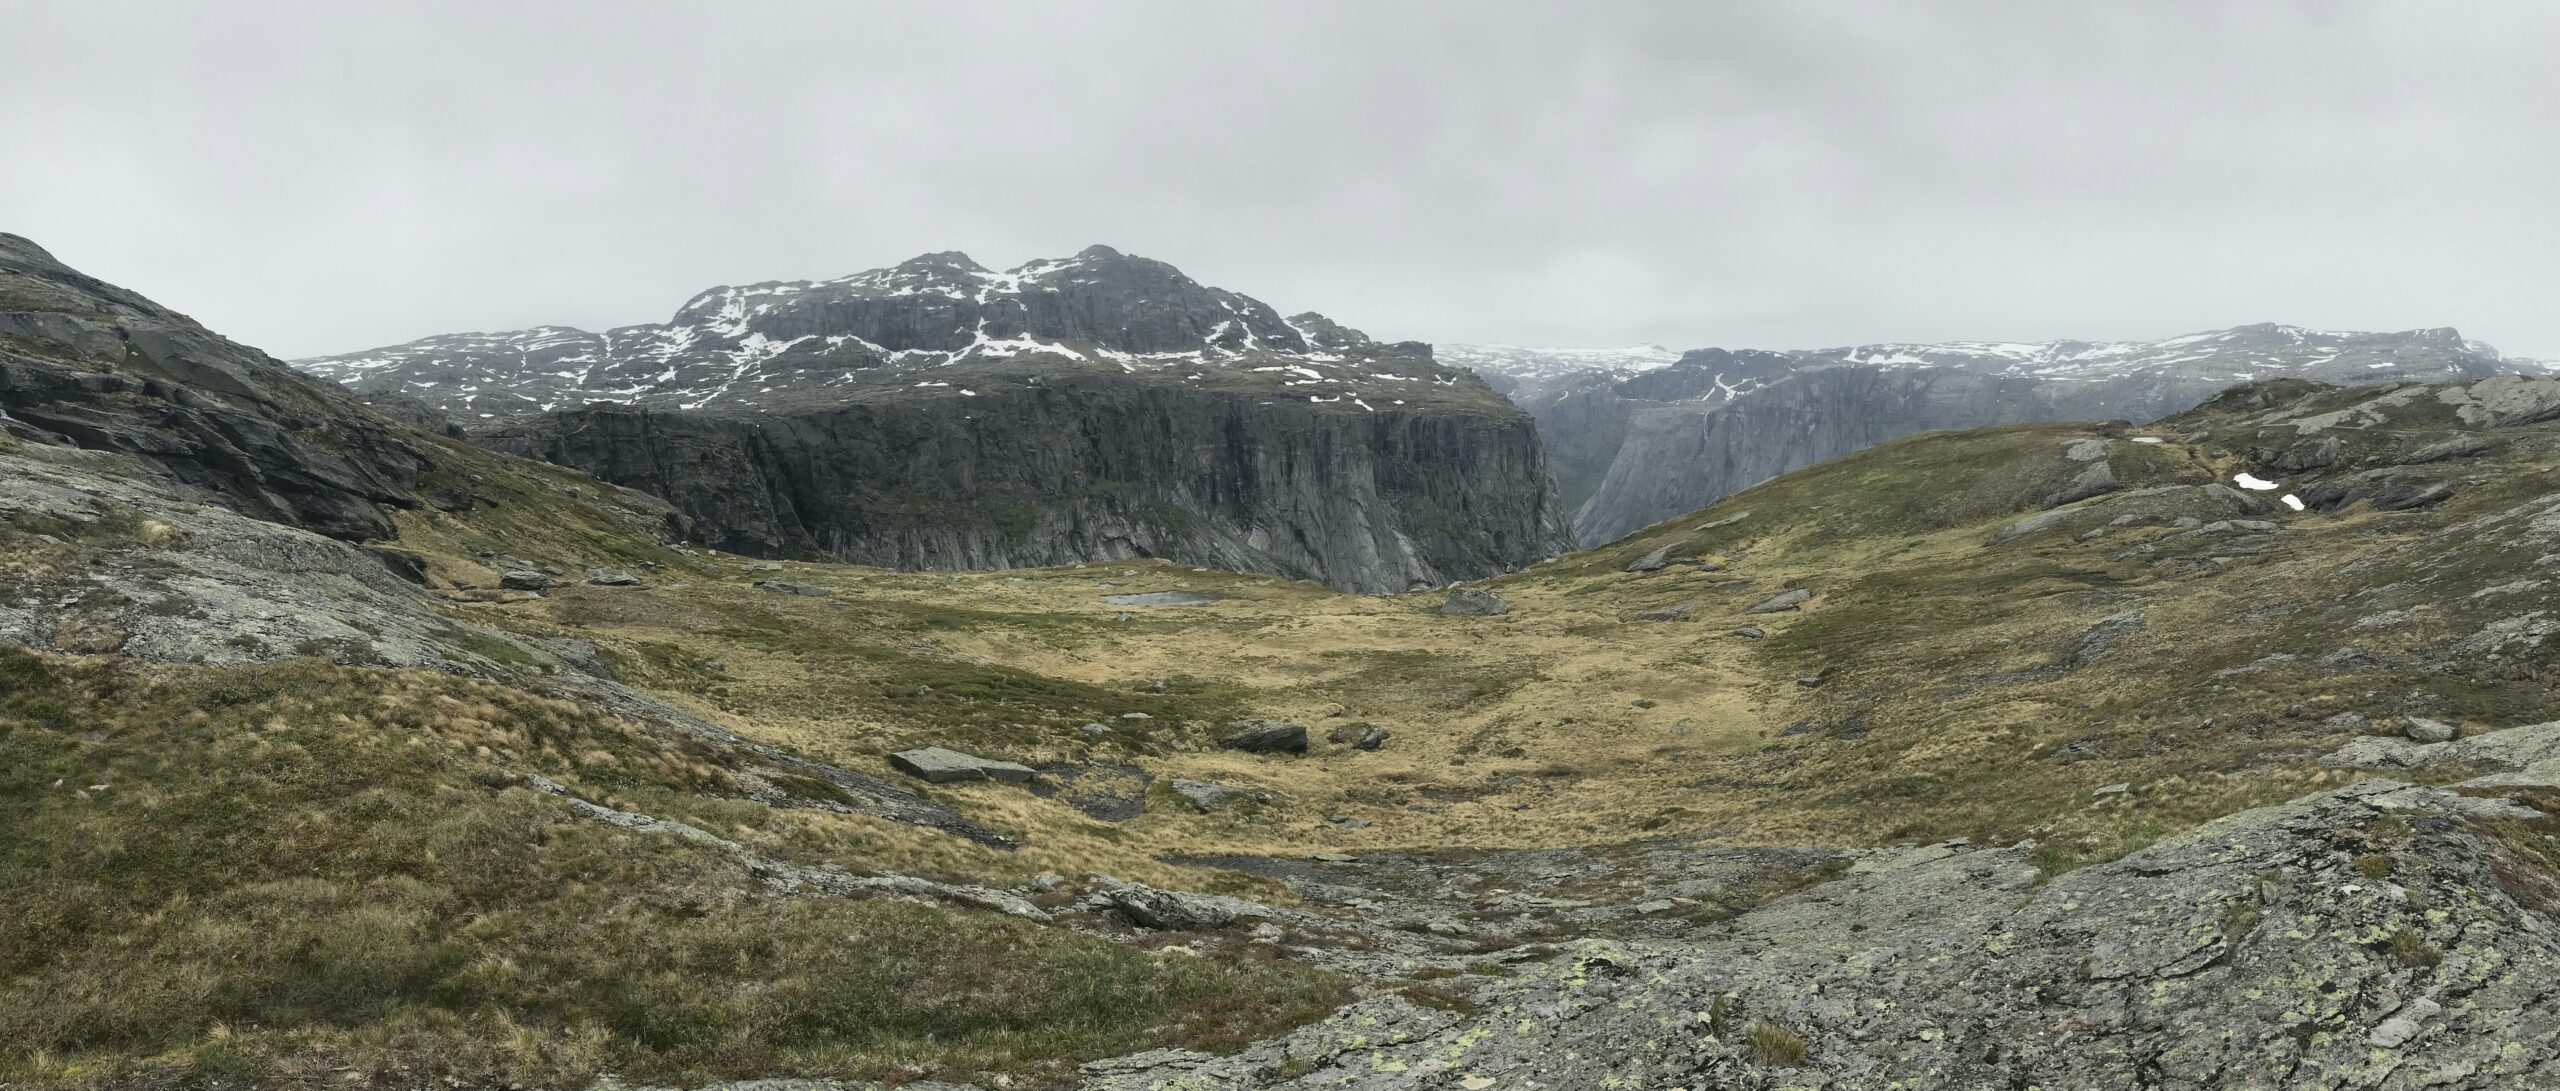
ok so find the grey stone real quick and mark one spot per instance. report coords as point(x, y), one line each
point(1358, 736)
point(1680, 612)
point(1472, 602)
point(1652, 562)
point(786, 587)
point(1752, 632)
point(611, 577)
point(1174, 910)
point(524, 580)
point(1782, 601)
point(937, 765)
point(1205, 797)
point(1265, 737)
point(1160, 598)
point(2116, 789)
point(2421, 729)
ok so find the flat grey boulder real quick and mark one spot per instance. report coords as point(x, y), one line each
point(1719, 524)
point(1160, 598)
point(1358, 736)
point(2421, 729)
point(936, 765)
point(1265, 737)
point(522, 580)
point(611, 577)
point(2513, 749)
point(1782, 601)
point(786, 587)
point(1468, 601)
point(1752, 632)
point(1205, 797)
point(1652, 562)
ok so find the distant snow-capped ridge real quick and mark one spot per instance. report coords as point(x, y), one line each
point(2239, 354)
point(746, 346)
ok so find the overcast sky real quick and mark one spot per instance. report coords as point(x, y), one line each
point(329, 176)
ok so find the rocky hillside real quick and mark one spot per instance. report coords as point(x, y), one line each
point(940, 415)
point(2215, 752)
point(1632, 446)
point(84, 363)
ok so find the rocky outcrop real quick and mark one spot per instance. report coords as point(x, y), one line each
point(86, 364)
point(1073, 464)
point(940, 415)
point(2377, 936)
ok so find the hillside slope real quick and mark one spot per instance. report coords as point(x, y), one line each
point(1636, 446)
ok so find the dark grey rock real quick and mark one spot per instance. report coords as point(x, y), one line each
point(1265, 737)
point(611, 577)
point(525, 580)
point(1173, 910)
point(86, 364)
point(1652, 562)
point(1471, 602)
point(1680, 612)
point(1753, 632)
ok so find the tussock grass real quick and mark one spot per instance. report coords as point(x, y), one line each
point(270, 873)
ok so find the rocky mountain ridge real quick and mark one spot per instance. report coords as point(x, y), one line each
point(1634, 446)
point(936, 414)
point(770, 343)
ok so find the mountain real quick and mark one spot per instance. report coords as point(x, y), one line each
point(2214, 752)
point(86, 363)
point(1637, 447)
point(936, 414)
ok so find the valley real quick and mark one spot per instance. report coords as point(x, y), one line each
point(1977, 757)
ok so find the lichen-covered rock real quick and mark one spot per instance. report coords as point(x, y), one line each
point(1782, 601)
point(1360, 736)
point(2257, 951)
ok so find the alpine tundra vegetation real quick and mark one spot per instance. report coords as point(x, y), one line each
point(2216, 751)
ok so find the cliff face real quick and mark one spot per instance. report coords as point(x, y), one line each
point(940, 415)
point(1677, 438)
point(86, 364)
point(1088, 466)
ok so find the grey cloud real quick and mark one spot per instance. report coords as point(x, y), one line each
point(316, 177)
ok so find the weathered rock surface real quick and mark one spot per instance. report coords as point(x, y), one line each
point(1362, 736)
point(2255, 951)
point(936, 765)
point(1205, 797)
point(1782, 601)
point(86, 364)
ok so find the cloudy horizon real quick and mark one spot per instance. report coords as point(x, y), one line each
point(317, 178)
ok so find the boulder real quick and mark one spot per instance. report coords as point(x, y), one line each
point(1783, 601)
point(611, 577)
point(1471, 602)
point(786, 587)
point(1173, 910)
point(1667, 613)
point(1206, 797)
point(1361, 736)
point(936, 765)
point(1752, 632)
point(1652, 562)
point(2421, 729)
point(1265, 737)
point(524, 580)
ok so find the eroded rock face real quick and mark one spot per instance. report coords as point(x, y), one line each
point(937, 414)
point(86, 364)
point(2257, 951)
point(1086, 465)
